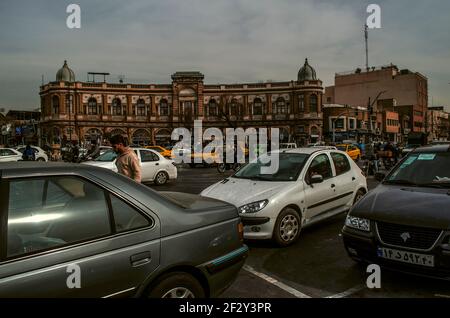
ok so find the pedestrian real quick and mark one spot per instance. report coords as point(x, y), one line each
point(127, 162)
point(28, 154)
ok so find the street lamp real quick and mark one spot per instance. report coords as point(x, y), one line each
point(333, 122)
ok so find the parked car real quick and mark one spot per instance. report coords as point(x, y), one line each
point(163, 151)
point(154, 167)
point(39, 153)
point(408, 148)
point(9, 154)
point(353, 151)
point(120, 237)
point(288, 145)
point(310, 185)
point(404, 223)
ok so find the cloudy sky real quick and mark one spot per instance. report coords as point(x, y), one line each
point(228, 41)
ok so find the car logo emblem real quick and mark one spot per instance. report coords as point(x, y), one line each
point(405, 236)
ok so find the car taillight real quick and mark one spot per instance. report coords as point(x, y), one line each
point(240, 227)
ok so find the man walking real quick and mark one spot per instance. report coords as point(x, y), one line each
point(127, 161)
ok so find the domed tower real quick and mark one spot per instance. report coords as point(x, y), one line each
point(65, 74)
point(307, 73)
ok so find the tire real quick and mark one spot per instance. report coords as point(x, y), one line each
point(287, 227)
point(221, 167)
point(176, 285)
point(161, 178)
point(359, 194)
point(40, 159)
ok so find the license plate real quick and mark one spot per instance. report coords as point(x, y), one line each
point(406, 257)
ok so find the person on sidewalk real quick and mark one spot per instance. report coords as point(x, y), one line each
point(127, 162)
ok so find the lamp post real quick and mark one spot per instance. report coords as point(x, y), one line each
point(333, 122)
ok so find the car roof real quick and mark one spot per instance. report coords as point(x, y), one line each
point(432, 148)
point(308, 151)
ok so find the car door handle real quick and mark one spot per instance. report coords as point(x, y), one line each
point(333, 185)
point(157, 164)
point(353, 178)
point(140, 259)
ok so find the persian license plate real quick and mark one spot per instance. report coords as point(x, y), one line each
point(406, 257)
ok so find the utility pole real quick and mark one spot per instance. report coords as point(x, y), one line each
point(366, 36)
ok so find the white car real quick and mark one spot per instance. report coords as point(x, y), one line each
point(154, 167)
point(39, 153)
point(310, 185)
point(9, 154)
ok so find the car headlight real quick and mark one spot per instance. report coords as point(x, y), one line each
point(357, 223)
point(253, 207)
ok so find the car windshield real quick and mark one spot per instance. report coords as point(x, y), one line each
point(429, 169)
point(290, 166)
point(109, 155)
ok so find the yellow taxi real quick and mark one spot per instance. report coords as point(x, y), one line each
point(163, 151)
point(351, 150)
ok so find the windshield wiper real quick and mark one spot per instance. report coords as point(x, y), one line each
point(401, 182)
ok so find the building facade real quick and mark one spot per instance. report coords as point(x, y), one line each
point(385, 90)
point(438, 124)
point(147, 113)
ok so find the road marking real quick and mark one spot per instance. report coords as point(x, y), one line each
point(277, 283)
point(348, 292)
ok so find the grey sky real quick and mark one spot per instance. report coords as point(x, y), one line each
point(227, 40)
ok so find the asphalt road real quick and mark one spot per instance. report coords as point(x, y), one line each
point(317, 265)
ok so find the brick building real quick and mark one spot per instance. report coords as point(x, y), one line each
point(388, 90)
point(147, 113)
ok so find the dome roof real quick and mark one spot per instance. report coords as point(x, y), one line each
point(307, 73)
point(65, 74)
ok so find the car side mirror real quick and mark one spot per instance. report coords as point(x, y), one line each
point(316, 179)
point(379, 176)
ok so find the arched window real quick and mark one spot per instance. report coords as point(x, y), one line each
point(117, 131)
point(212, 107)
point(313, 104)
point(55, 104)
point(280, 106)
point(141, 137)
point(301, 103)
point(163, 107)
point(69, 103)
point(92, 106)
point(140, 107)
point(234, 107)
point(257, 106)
point(116, 107)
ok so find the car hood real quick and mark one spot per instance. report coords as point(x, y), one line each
point(243, 191)
point(423, 207)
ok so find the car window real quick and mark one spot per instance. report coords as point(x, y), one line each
point(340, 162)
point(108, 156)
point(49, 213)
point(148, 156)
point(125, 217)
point(320, 166)
point(6, 152)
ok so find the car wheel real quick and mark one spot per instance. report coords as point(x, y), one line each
point(177, 285)
point(358, 196)
point(40, 159)
point(161, 178)
point(287, 227)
